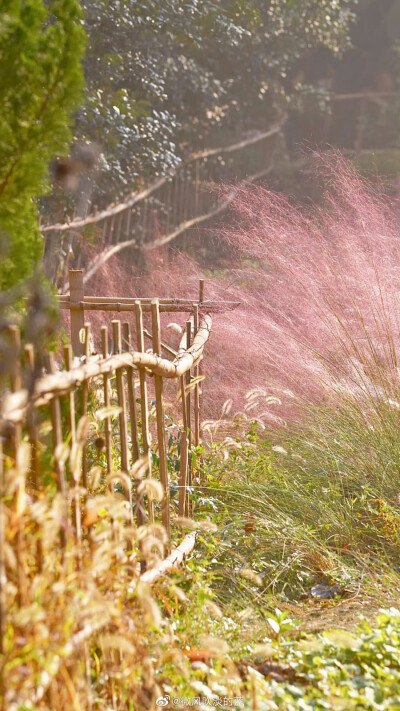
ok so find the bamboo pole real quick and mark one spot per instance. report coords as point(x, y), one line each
point(123, 429)
point(49, 386)
point(164, 346)
point(34, 447)
point(201, 290)
point(188, 415)
point(183, 464)
point(85, 397)
point(91, 298)
point(131, 396)
point(106, 389)
point(76, 508)
point(175, 558)
point(119, 305)
point(199, 369)
point(144, 408)
point(16, 384)
point(76, 294)
point(130, 374)
point(55, 410)
point(162, 452)
point(31, 421)
point(197, 384)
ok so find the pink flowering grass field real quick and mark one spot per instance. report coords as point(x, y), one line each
point(310, 356)
point(319, 291)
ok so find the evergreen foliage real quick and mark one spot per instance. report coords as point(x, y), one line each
point(41, 79)
point(165, 77)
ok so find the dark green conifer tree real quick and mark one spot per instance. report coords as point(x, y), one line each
point(41, 84)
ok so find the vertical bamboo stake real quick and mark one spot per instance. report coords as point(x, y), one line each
point(71, 396)
point(162, 452)
point(72, 428)
point(197, 385)
point(31, 421)
point(130, 374)
point(16, 384)
point(201, 290)
point(106, 387)
point(144, 408)
point(183, 503)
point(131, 396)
point(123, 430)
point(77, 316)
point(57, 442)
point(199, 367)
point(189, 412)
point(85, 397)
point(34, 446)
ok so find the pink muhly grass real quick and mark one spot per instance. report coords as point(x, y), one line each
point(326, 287)
point(319, 290)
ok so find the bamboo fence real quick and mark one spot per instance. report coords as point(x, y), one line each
point(64, 392)
point(102, 411)
point(155, 216)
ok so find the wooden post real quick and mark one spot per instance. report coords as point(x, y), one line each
point(197, 385)
point(85, 397)
point(107, 420)
point(57, 441)
point(72, 426)
point(131, 395)
point(199, 370)
point(130, 374)
point(31, 419)
point(123, 430)
point(162, 451)
point(201, 290)
point(183, 454)
point(15, 385)
point(188, 412)
point(77, 316)
point(144, 408)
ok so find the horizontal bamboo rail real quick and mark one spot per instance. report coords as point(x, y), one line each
point(54, 385)
point(175, 558)
point(185, 307)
